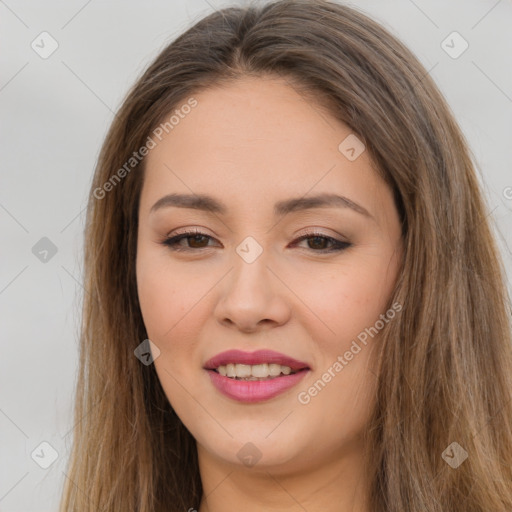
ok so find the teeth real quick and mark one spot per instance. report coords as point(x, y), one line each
point(253, 372)
point(275, 369)
point(243, 370)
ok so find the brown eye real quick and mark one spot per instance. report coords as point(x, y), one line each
point(195, 239)
point(317, 242)
point(320, 243)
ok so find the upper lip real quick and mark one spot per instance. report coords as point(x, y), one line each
point(252, 358)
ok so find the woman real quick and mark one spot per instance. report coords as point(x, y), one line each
point(294, 297)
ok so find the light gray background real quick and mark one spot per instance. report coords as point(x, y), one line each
point(55, 115)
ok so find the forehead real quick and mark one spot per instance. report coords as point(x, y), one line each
point(262, 115)
point(257, 140)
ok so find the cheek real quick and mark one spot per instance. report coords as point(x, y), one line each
point(166, 297)
point(174, 306)
point(349, 299)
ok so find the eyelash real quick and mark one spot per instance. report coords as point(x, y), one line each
point(171, 242)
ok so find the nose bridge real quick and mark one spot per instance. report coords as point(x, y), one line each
point(252, 293)
point(250, 276)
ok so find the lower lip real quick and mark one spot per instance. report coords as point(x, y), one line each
point(255, 390)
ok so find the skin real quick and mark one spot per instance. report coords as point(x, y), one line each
point(250, 144)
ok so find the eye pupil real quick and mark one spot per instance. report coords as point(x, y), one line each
point(195, 239)
point(317, 239)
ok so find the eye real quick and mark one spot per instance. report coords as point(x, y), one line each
point(197, 240)
point(319, 241)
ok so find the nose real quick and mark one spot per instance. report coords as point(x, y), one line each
point(252, 297)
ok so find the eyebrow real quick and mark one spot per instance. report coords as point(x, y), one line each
point(208, 203)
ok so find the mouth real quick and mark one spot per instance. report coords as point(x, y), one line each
point(262, 364)
point(254, 376)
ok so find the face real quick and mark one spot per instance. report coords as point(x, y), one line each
point(307, 280)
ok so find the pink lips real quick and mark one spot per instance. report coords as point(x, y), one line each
point(254, 391)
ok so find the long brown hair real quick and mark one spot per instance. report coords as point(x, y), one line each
point(445, 365)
